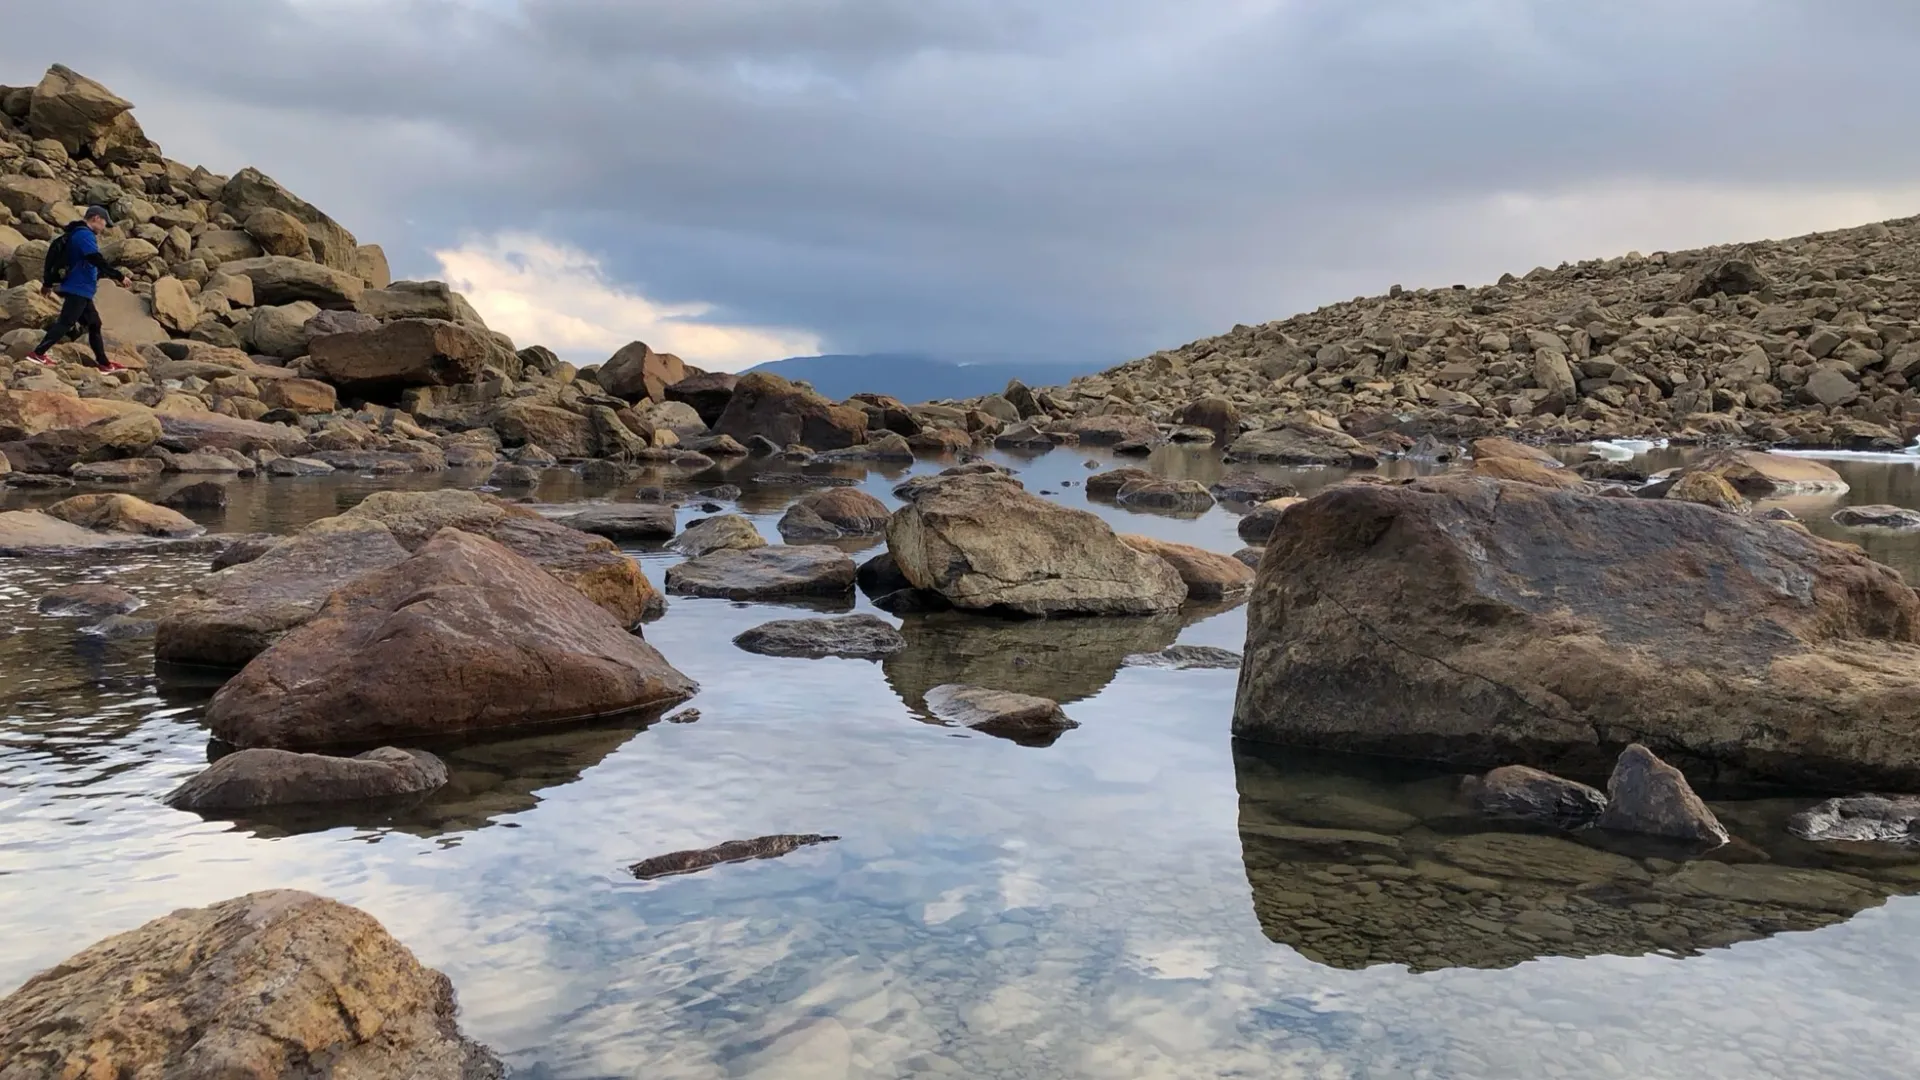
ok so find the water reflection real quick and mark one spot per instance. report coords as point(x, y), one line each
point(1356, 863)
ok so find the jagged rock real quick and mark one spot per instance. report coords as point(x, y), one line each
point(1546, 625)
point(636, 372)
point(420, 300)
point(771, 407)
point(1519, 793)
point(88, 601)
point(330, 244)
point(833, 514)
point(764, 573)
point(984, 543)
point(1208, 575)
point(1734, 277)
point(1884, 819)
point(688, 862)
point(261, 986)
point(74, 111)
point(1647, 795)
point(1187, 657)
point(250, 779)
point(1022, 718)
point(724, 532)
point(1877, 517)
point(278, 233)
point(469, 636)
point(707, 394)
point(854, 637)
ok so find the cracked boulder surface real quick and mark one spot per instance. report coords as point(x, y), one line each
point(278, 984)
point(463, 636)
point(1476, 622)
point(986, 544)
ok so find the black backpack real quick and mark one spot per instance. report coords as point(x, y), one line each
point(59, 259)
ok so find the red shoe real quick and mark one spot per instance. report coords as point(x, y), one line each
point(41, 358)
point(113, 367)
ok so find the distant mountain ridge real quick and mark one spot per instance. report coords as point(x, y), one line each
point(914, 378)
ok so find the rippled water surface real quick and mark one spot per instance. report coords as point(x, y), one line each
point(1133, 901)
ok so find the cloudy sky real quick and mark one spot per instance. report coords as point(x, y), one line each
point(739, 180)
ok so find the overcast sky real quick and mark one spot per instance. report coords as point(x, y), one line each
point(740, 180)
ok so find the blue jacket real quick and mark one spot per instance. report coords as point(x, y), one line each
point(83, 261)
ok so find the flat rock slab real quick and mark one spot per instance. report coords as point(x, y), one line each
point(1885, 819)
point(764, 573)
point(1539, 858)
point(1022, 718)
point(854, 637)
point(689, 862)
point(193, 993)
point(1877, 517)
point(626, 521)
point(250, 779)
point(464, 636)
point(28, 531)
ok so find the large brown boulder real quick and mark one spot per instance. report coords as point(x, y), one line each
point(636, 372)
point(419, 300)
point(236, 614)
point(464, 636)
point(264, 986)
point(707, 393)
point(408, 352)
point(1209, 575)
point(1478, 623)
point(25, 413)
point(74, 111)
point(123, 514)
point(330, 244)
point(833, 514)
point(592, 565)
point(278, 279)
point(1758, 474)
point(527, 422)
point(985, 543)
point(775, 409)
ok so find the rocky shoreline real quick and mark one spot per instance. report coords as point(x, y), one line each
point(1515, 614)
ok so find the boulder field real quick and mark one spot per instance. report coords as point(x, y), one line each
point(1480, 622)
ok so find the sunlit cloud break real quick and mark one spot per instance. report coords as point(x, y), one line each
point(539, 292)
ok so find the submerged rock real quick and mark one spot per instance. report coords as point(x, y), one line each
point(249, 779)
point(1648, 796)
point(764, 573)
point(463, 636)
point(688, 862)
point(857, 637)
point(263, 986)
point(89, 601)
point(1877, 517)
point(1185, 657)
point(121, 628)
point(1023, 718)
point(1886, 819)
point(1247, 487)
point(725, 532)
point(1518, 793)
point(1459, 619)
point(985, 543)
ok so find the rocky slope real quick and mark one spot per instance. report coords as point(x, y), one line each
point(1809, 341)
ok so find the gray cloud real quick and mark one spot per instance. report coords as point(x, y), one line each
point(1075, 177)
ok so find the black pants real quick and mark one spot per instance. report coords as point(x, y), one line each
point(78, 311)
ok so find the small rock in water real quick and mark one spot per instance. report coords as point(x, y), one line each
point(685, 716)
point(1023, 718)
point(688, 862)
point(1251, 556)
point(1646, 795)
point(1877, 517)
point(1248, 488)
point(1185, 657)
point(855, 637)
point(764, 573)
point(205, 495)
point(625, 521)
point(255, 778)
point(89, 601)
point(724, 492)
point(121, 628)
point(1886, 819)
point(1523, 794)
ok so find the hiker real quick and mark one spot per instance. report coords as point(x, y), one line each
point(74, 266)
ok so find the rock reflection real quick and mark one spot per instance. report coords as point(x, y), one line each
point(1067, 660)
point(1357, 863)
point(486, 781)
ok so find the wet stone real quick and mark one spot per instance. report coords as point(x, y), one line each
point(1647, 795)
point(1022, 718)
point(91, 601)
point(733, 851)
point(1187, 657)
point(1887, 819)
point(1516, 792)
point(859, 637)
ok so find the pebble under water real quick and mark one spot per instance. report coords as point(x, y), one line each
point(1132, 901)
